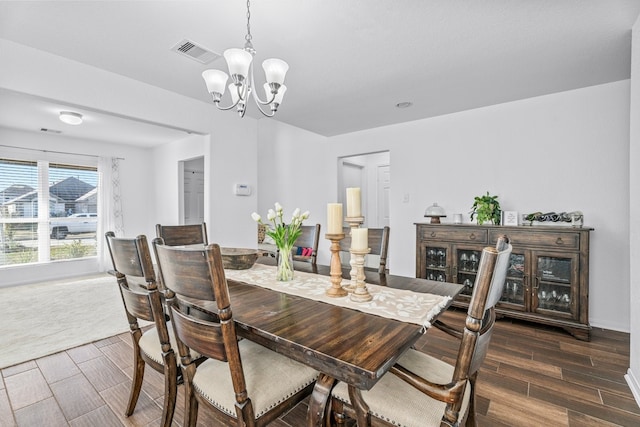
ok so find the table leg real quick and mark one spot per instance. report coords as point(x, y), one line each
point(318, 401)
point(361, 407)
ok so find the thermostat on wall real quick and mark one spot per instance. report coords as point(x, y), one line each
point(242, 190)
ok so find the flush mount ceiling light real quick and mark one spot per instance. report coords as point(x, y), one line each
point(240, 63)
point(70, 118)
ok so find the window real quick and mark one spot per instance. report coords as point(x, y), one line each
point(48, 211)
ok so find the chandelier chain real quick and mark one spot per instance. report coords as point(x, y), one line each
point(248, 36)
point(240, 62)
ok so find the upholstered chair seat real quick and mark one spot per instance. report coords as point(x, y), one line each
point(269, 377)
point(421, 391)
point(392, 399)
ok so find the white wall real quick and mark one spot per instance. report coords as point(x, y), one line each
point(562, 152)
point(230, 157)
point(136, 198)
point(293, 170)
point(166, 183)
point(633, 374)
point(234, 160)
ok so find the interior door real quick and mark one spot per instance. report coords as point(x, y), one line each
point(193, 197)
point(383, 190)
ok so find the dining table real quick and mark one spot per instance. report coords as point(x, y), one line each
point(341, 343)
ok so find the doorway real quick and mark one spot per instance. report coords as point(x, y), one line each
point(372, 173)
point(193, 191)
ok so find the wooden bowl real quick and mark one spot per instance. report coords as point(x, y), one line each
point(238, 258)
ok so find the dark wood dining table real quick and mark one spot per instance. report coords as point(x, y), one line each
point(341, 343)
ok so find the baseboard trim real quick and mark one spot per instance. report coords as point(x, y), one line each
point(634, 385)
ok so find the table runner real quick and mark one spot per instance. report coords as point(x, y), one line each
point(399, 304)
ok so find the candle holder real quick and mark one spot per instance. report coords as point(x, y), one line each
point(336, 290)
point(354, 222)
point(360, 292)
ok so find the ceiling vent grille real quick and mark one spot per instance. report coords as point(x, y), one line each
point(195, 51)
point(50, 130)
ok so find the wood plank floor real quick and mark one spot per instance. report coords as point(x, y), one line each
point(533, 376)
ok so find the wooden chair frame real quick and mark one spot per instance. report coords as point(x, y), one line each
point(180, 235)
point(474, 343)
point(378, 242)
point(198, 274)
point(135, 275)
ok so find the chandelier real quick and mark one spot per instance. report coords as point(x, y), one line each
point(240, 63)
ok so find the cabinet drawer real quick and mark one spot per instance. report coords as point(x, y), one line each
point(454, 234)
point(549, 240)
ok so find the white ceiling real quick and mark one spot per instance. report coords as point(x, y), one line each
point(350, 61)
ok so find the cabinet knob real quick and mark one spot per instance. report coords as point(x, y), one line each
point(472, 236)
point(559, 241)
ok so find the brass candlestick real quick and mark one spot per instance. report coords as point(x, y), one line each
point(354, 222)
point(360, 292)
point(336, 290)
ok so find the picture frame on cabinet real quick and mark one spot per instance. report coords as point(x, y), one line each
point(509, 218)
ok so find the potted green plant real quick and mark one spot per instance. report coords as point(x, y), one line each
point(486, 209)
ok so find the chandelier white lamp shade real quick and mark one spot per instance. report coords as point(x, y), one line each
point(240, 64)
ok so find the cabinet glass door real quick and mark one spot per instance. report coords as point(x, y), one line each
point(556, 284)
point(513, 293)
point(436, 263)
point(467, 262)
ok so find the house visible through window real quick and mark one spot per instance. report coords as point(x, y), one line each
point(48, 211)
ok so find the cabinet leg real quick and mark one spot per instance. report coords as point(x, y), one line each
point(581, 334)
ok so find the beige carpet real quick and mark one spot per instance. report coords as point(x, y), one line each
point(45, 318)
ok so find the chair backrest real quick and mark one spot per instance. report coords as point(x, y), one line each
point(378, 242)
point(180, 235)
point(309, 237)
point(479, 324)
point(199, 274)
point(133, 268)
point(487, 291)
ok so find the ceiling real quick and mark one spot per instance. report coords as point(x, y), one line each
point(350, 61)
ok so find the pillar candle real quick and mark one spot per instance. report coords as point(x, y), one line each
point(353, 202)
point(334, 218)
point(359, 239)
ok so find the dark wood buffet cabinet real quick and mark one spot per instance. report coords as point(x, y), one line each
point(548, 276)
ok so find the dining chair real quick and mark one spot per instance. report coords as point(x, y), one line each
point(179, 235)
point(242, 383)
point(420, 390)
point(378, 242)
point(133, 269)
point(306, 245)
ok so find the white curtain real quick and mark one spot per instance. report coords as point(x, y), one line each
point(109, 207)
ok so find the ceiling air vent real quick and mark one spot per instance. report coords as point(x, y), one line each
point(195, 51)
point(50, 130)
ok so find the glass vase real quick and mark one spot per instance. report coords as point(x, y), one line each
point(285, 265)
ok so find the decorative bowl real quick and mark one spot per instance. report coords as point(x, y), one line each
point(238, 258)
